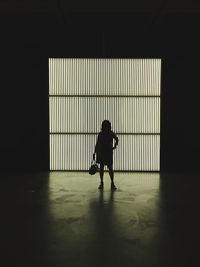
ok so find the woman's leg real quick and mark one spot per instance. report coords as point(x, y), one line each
point(111, 173)
point(101, 172)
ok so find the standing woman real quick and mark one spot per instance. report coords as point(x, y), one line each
point(104, 151)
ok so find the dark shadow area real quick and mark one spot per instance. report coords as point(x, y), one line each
point(24, 203)
point(179, 235)
point(104, 246)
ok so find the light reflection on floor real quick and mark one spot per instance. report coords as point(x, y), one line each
point(96, 220)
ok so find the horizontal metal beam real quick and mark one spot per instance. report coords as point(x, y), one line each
point(126, 171)
point(72, 133)
point(114, 96)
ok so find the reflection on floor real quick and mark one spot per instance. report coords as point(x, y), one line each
point(62, 219)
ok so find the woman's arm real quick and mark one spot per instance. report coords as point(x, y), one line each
point(97, 144)
point(116, 140)
point(96, 147)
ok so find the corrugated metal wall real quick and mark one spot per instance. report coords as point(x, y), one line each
point(84, 92)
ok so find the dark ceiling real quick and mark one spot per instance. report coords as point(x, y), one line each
point(156, 27)
point(52, 6)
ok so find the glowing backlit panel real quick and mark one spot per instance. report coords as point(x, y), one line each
point(84, 92)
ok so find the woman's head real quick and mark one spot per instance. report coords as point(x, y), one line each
point(106, 126)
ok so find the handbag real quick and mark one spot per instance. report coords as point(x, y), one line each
point(93, 168)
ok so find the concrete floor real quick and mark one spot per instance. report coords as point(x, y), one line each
point(62, 219)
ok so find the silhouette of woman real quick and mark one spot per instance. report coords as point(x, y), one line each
point(104, 151)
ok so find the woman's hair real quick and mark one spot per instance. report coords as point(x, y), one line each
point(106, 126)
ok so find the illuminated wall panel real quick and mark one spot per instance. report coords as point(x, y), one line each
point(67, 155)
point(84, 92)
point(104, 76)
point(83, 114)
